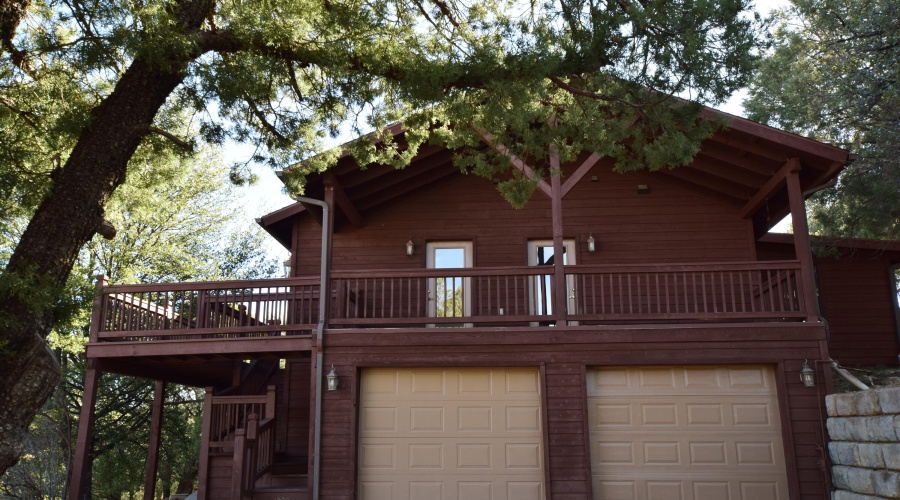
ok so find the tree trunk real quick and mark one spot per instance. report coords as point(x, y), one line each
point(63, 223)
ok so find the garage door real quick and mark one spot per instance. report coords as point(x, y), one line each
point(467, 434)
point(685, 433)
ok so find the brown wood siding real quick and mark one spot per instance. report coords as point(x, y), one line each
point(667, 225)
point(565, 354)
point(856, 294)
point(857, 302)
point(297, 409)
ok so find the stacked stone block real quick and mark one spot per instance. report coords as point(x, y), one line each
point(865, 444)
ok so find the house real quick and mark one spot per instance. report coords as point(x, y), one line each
point(452, 354)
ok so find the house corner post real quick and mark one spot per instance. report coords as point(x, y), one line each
point(153, 446)
point(81, 462)
point(206, 429)
point(560, 296)
point(801, 241)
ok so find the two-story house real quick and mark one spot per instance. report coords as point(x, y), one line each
point(622, 336)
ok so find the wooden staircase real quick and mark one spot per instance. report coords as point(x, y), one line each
point(239, 456)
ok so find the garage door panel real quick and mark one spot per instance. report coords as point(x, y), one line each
point(710, 413)
point(692, 432)
point(727, 487)
point(454, 433)
point(687, 452)
point(704, 380)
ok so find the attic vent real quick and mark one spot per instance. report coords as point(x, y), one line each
point(643, 189)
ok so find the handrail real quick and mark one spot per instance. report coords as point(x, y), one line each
point(511, 295)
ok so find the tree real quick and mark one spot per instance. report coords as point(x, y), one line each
point(174, 216)
point(285, 73)
point(834, 75)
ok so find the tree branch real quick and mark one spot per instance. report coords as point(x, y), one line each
point(186, 145)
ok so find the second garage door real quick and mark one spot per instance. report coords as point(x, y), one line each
point(440, 433)
point(685, 433)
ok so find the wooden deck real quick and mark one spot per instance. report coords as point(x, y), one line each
point(281, 314)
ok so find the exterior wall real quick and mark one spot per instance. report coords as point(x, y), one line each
point(857, 301)
point(667, 225)
point(563, 356)
point(865, 447)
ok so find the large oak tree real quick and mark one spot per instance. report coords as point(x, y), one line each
point(85, 83)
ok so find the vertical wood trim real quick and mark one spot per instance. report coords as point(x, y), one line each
point(826, 368)
point(153, 446)
point(311, 454)
point(203, 474)
point(559, 279)
point(286, 402)
point(801, 241)
point(751, 235)
point(787, 432)
point(545, 416)
point(85, 426)
point(354, 429)
point(586, 438)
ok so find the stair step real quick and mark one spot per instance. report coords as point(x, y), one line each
point(273, 493)
point(290, 468)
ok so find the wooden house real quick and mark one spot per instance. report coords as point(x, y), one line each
point(444, 351)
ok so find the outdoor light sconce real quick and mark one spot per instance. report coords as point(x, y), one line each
point(592, 243)
point(807, 375)
point(287, 268)
point(332, 379)
point(410, 247)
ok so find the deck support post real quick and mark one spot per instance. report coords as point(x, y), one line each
point(801, 241)
point(560, 297)
point(80, 464)
point(205, 430)
point(153, 446)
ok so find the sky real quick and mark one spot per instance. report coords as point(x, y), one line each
point(267, 195)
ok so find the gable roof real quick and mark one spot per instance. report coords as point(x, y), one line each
point(742, 167)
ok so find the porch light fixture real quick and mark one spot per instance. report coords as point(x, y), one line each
point(592, 244)
point(287, 268)
point(410, 247)
point(332, 379)
point(807, 375)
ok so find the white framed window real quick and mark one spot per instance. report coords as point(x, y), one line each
point(449, 296)
point(540, 253)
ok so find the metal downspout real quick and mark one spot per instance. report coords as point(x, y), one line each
point(320, 330)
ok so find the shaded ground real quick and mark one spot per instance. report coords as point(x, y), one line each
point(873, 376)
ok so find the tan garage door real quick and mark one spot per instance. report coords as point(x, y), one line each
point(685, 433)
point(466, 434)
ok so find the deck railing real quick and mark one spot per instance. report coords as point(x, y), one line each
point(442, 296)
point(205, 310)
point(759, 290)
point(510, 296)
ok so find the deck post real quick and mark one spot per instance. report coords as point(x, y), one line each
point(206, 429)
point(153, 447)
point(801, 241)
point(560, 297)
point(270, 402)
point(80, 464)
point(99, 307)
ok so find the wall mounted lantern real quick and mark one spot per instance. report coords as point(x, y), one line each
point(410, 248)
point(332, 379)
point(592, 244)
point(807, 375)
point(287, 268)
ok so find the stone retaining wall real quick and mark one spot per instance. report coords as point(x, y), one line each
point(865, 444)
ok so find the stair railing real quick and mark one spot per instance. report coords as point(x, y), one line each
point(254, 454)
